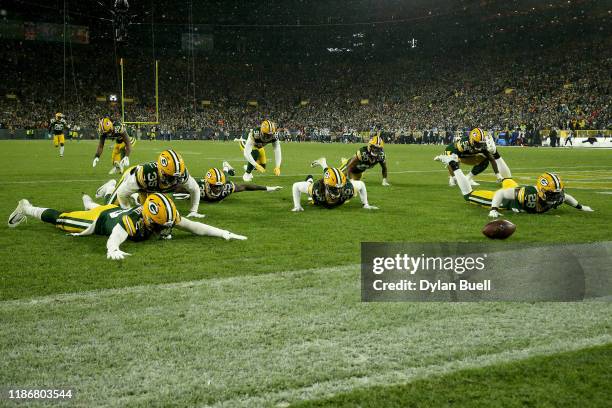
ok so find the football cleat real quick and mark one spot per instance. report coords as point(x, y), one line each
point(228, 169)
point(106, 188)
point(247, 177)
point(88, 202)
point(473, 183)
point(452, 182)
point(18, 216)
point(113, 170)
point(319, 162)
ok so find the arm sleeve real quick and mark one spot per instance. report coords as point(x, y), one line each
point(248, 149)
point(277, 153)
point(570, 200)
point(198, 228)
point(299, 188)
point(128, 187)
point(360, 188)
point(194, 191)
point(500, 195)
point(117, 237)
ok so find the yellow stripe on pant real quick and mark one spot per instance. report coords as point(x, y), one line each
point(78, 221)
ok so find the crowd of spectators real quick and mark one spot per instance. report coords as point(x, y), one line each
point(416, 100)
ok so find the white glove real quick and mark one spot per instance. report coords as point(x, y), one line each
point(169, 236)
point(125, 162)
point(181, 196)
point(369, 207)
point(586, 208)
point(230, 235)
point(116, 255)
point(95, 162)
point(296, 209)
point(385, 182)
point(195, 214)
point(273, 188)
point(491, 148)
point(494, 214)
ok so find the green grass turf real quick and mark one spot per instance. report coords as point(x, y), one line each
point(572, 379)
point(419, 206)
point(198, 320)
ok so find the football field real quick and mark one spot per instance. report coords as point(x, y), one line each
point(277, 320)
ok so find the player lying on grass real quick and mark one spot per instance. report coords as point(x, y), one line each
point(548, 193)
point(164, 176)
point(120, 157)
point(157, 216)
point(478, 150)
point(366, 158)
point(254, 152)
point(216, 186)
point(330, 191)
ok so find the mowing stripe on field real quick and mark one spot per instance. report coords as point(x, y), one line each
point(266, 339)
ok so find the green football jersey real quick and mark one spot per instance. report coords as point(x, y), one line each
point(130, 220)
point(317, 192)
point(149, 179)
point(262, 139)
point(463, 148)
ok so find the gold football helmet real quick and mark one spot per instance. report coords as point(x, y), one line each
point(268, 127)
point(376, 144)
point(59, 115)
point(550, 188)
point(214, 182)
point(334, 181)
point(171, 165)
point(477, 137)
point(106, 125)
point(159, 210)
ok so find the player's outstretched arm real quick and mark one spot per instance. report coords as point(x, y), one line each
point(569, 200)
point(254, 187)
point(99, 150)
point(498, 198)
point(248, 150)
point(299, 188)
point(194, 193)
point(198, 228)
point(360, 188)
point(117, 237)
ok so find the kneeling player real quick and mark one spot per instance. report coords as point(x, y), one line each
point(477, 150)
point(216, 186)
point(254, 152)
point(548, 193)
point(366, 158)
point(330, 191)
point(157, 215)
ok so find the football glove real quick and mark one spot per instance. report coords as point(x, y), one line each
point(116, 255)
point(385, 182)
point(297, 209)
point(494, 214)
point(277, 171)
point(260, 168)
point(95, 161)
point(369, 207)
point(195, 214)
point(586, 208)
point(230, 235)
point(125, 162)
point(273, 188)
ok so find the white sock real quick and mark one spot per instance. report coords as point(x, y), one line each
point(61, 150)
point(503, 168)
point(35, 212)
point(463, 182)
point(88, 203)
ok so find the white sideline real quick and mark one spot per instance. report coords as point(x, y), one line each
point(391, 378)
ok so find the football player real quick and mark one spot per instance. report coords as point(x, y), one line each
point(107, 129)
point(166, 175)
point(254, 152)
point(216, 186)
point(331, 191)
point(157, 215)
point(58, 126)
point(548, 193)
point(478, 150)
point(366, 158)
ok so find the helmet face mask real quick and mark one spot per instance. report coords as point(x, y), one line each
point(334, 181)
point(375, 146)
point(159, 212)
point(376, 151)
point(214, 182)
point(477, 138)
point(551, 189)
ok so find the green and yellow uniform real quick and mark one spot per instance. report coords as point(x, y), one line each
point(365, 160)
point(119, 135)
point(228, 188)
point(57, 127)
point(260, 140)
point(526, 199)
point(476, 156)
point(317, 192)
